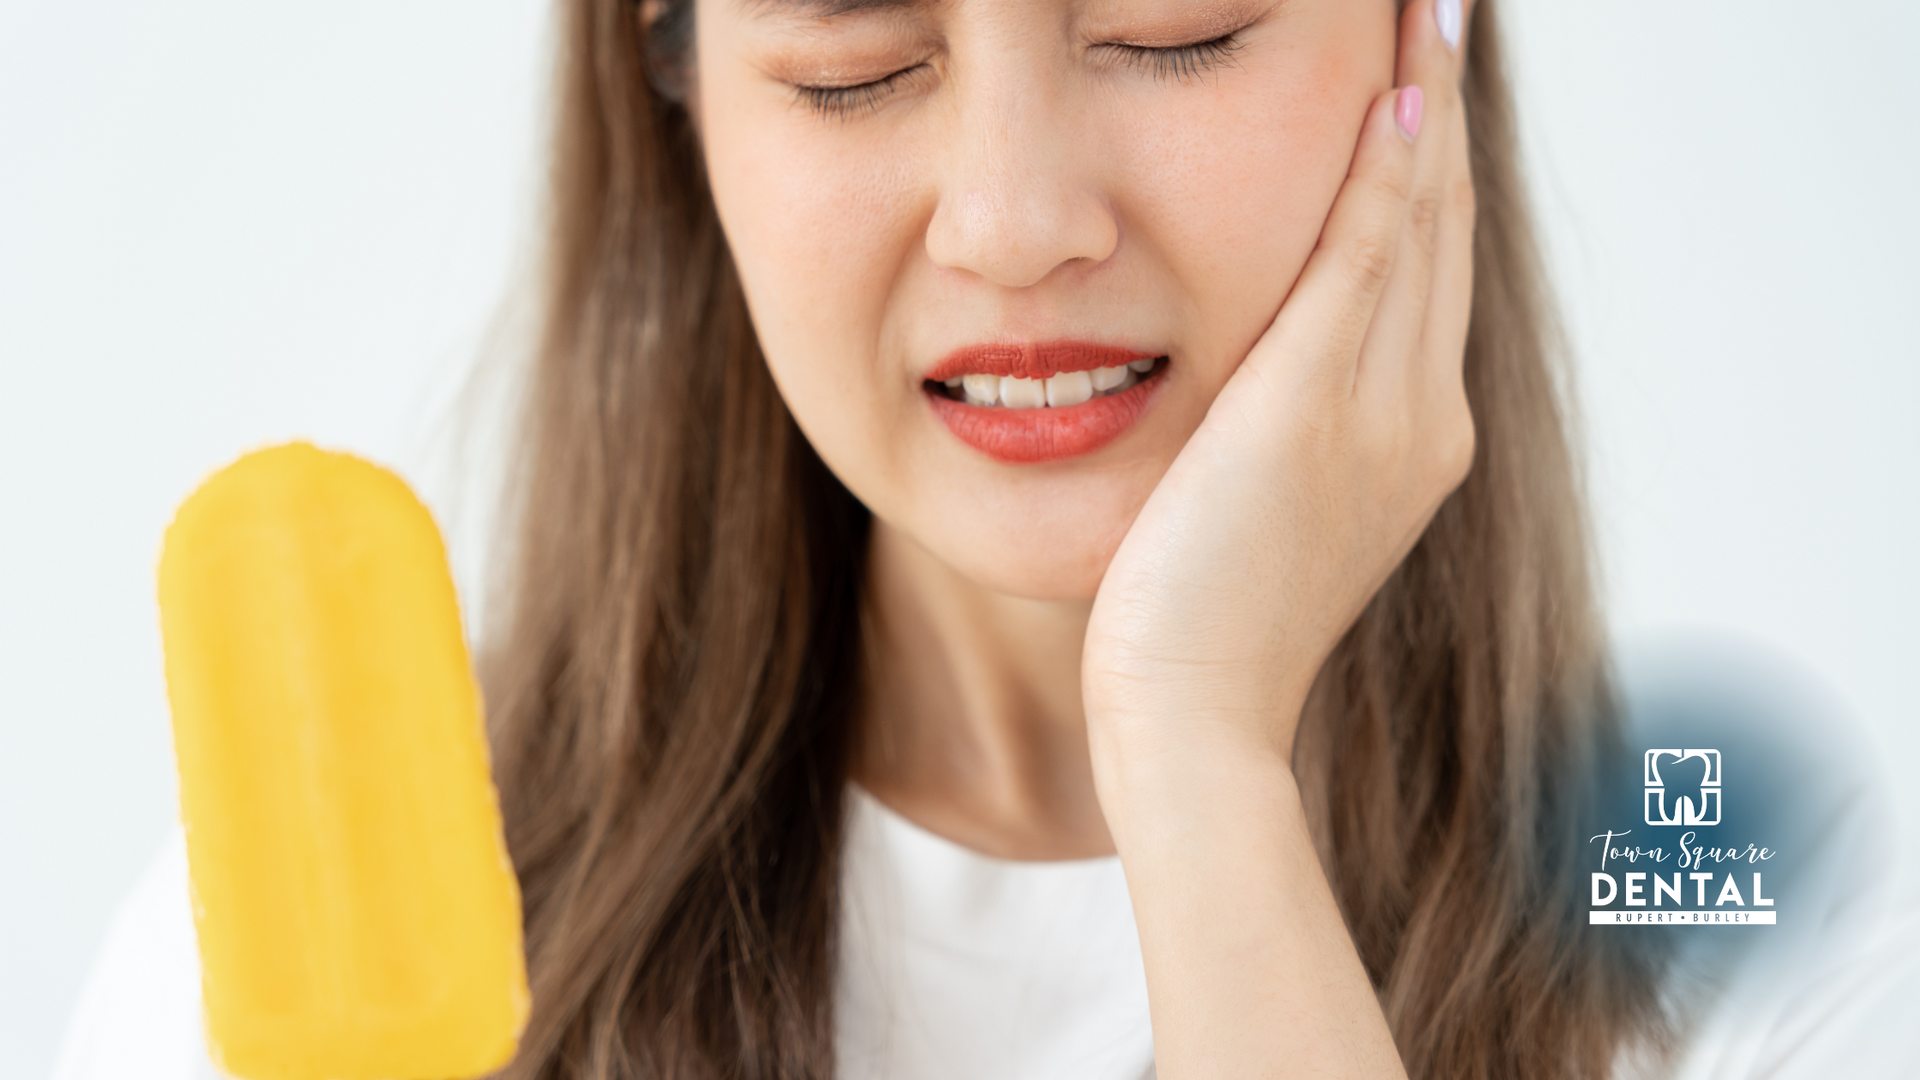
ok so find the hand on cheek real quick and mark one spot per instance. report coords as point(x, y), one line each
point(1322, 459)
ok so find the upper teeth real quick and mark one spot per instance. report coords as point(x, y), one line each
point(1066, 388)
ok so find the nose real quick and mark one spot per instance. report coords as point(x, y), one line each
point(1017, 198)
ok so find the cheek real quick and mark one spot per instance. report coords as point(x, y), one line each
point(1231, 194)
point(815, 237)
point(820, 220)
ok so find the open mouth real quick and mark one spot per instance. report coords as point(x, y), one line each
point(1064, 390)
point(1021, 420)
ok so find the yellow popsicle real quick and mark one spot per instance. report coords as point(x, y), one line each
point(357, 914)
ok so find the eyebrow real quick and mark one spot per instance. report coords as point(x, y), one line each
point(825, 9)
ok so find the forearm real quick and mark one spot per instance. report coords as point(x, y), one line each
point(1322, 461)
point(1250, 969)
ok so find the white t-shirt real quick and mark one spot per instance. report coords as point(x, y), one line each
point(957, 965)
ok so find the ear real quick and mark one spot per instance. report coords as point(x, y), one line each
point(667, 28)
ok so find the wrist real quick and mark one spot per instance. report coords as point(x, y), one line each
point(1185, 775)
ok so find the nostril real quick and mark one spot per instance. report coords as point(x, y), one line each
point(1016, 235)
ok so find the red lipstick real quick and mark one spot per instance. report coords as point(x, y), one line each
point(1031, 361)
point(1028, 436)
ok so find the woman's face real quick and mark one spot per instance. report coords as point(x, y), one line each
point(1029, 193)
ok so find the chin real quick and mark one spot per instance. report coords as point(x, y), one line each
point(1009, 531)
point(1049, 576)
point(1054, 551)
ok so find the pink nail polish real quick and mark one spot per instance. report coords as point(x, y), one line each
point(1406, 111)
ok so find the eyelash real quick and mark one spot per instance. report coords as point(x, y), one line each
point(1183, 62)
point(1179, 62)
point(840, 102)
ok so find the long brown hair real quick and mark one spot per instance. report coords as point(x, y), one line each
point(671, 688)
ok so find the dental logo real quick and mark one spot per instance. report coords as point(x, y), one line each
point(1685, 879)
point(1683, 787)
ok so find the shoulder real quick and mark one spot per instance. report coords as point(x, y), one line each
point(1783, 765)
point(139, 1014)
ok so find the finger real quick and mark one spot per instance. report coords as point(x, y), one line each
point(1443, 346)
point(1439, 383)
point(1427, 60)
point(1317, 336)
point(1450, 308)
point(1431, 57)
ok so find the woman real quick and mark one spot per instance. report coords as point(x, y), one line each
point(1049, 546)
point(785, 236)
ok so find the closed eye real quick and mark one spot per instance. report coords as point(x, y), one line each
point(1181, 62)
point(1175, 62)
point(841, 102)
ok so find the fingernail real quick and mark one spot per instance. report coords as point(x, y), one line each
point(1447, 14)
point(1406, 111)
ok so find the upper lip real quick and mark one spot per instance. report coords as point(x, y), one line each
point(1032, 360)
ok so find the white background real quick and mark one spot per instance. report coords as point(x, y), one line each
point(224, 224)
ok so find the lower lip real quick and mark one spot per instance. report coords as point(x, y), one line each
point(1029, 436)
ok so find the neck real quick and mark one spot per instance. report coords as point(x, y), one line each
point(971, 724)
